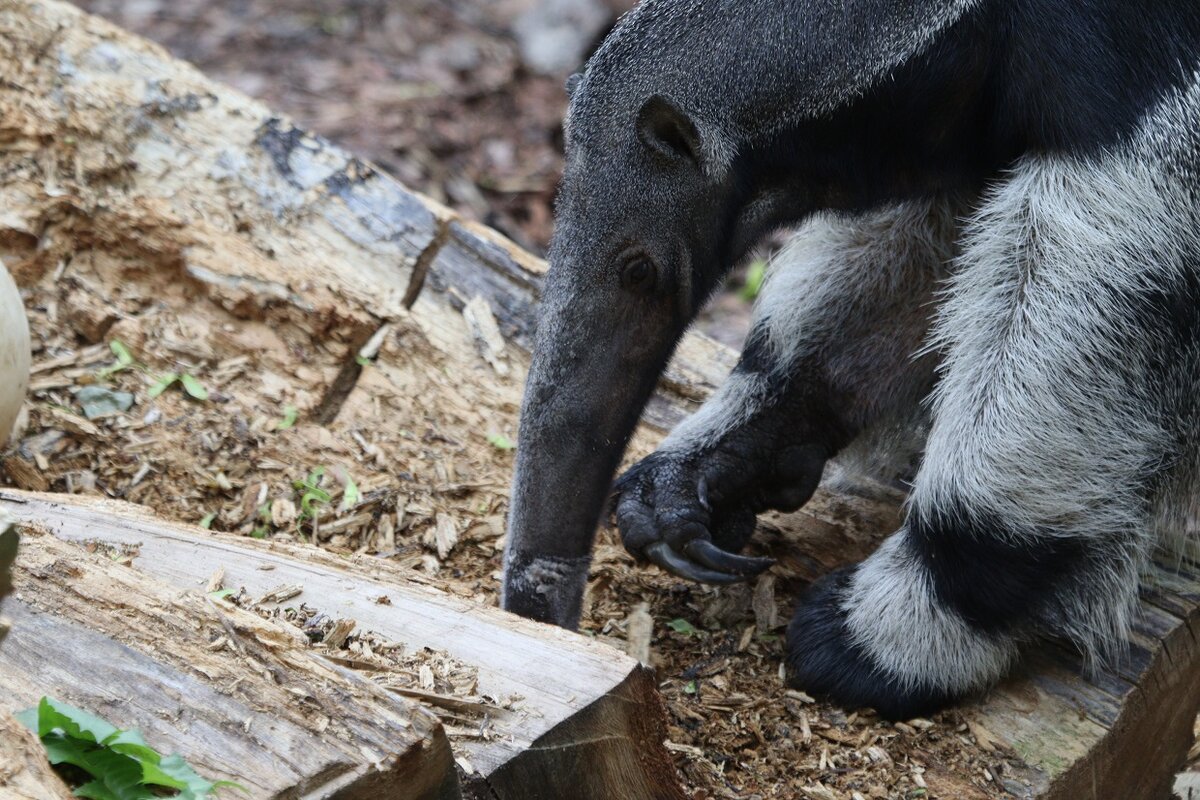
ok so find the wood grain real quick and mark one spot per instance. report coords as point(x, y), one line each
point(589, 723)
point(240, 697)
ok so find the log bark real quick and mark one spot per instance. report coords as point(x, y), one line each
point(240, 697)
point(174, 172)
point(588, 724)
point(24, 771)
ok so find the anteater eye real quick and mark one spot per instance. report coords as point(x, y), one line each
point(638, 275)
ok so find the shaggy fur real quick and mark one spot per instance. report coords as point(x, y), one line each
point(994, 292)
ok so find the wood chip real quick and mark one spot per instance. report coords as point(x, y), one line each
point(280, 594)
point(639, 630)
point(336, 636)
point(73, 424)
point(442, 536)
point(215, 581)
point(766, 610)
point(488, 339)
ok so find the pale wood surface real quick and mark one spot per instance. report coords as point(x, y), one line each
point(240, 697)
point(24, 772)
point(589, 723)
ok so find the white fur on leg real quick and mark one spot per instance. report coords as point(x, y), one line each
point(854, 295)
point(892, 613)
point(1053, 413)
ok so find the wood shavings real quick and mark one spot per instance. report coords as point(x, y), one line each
point(639, 629)
point(488, 339)
point(443, 536)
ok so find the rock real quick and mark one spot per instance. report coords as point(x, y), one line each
point(554, 35)
point(100, 401)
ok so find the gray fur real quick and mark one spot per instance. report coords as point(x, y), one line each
point(996, 277)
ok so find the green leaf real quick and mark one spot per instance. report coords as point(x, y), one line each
point(500, 441)
point(74, 722)
point(95, 790)
point(193, 387)
point(350, 494)
point(28, 718)
point(132, 744)
point(754, 280)
point(311, 492)
point(120, 774)
point(182, 776)
point(207, 520)
point(122, 765)
point(124, 357)
point(682, 626)
point(220, 594)
point(362, 361)
point(62, 749)
point(290, 414)
point(162, 384)
point(259, 533)
point(689, 687)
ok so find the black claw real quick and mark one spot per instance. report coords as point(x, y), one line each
point(662, 554)
point(713, 557)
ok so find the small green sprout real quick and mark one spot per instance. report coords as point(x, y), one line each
point(290, 415)
point(190, 385)
point(124, 359)
point(682, 626)
point(350, 495)
point(500, 441)
point(311, 493)
point(754, 280)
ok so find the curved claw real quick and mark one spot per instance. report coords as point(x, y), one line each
point(662, 554)
point(709, 555)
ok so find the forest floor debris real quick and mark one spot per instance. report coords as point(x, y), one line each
point(422, 480)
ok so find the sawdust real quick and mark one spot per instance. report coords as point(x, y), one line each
point(429, 493)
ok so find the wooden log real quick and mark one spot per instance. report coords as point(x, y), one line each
point(588, 722)
point(240, 697)
point(265, 219)
point(24, 771)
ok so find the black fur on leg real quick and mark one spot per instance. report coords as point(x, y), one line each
point(822, 659)
point(995, 577)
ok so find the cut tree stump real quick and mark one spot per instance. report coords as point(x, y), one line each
point(24, 771)
point(168, 171)
point(588, 722)
point(240, 697)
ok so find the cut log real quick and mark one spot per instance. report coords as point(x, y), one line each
point(588, 722)
point(24, 771)
point(171, 172)
point(240, 697)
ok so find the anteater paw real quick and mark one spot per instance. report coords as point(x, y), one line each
point(824, 660)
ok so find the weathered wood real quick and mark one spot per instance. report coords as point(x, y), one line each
point(276, 219)
point(589, 723)
point(24, 772)
point(240, 697)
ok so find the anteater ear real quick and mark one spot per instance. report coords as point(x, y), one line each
point(573, 83)
point(668, 130)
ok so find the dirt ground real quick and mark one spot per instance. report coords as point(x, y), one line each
point(427, 489)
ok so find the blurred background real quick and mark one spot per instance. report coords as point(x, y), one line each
point(460, 99)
